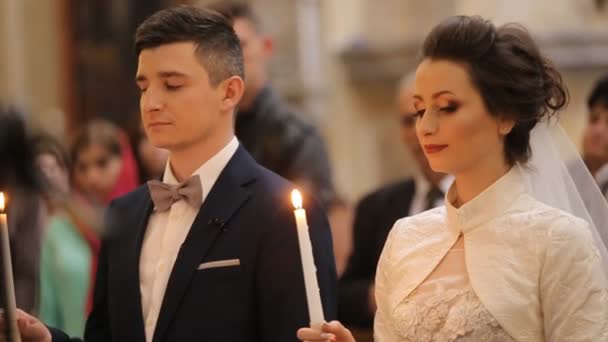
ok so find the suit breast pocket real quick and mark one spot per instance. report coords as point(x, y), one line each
point(219, 264)
point(225, 272)
point(218, 286)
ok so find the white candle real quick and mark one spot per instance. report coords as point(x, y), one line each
point(313, 297)
point(9, 285)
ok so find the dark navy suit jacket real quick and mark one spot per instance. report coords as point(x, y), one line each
point(246, 216)
point(375, 215)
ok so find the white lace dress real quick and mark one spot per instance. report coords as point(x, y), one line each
point(444, 307)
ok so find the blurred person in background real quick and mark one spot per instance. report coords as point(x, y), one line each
point(595, 136)
point(376, 214)
point(275, 134)
point(22, 185)
point(152, 160)
point(70, 244)
point(104, 163)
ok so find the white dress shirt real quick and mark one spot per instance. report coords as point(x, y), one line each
point(534, 268)
point(165, 234)
point(421, 188)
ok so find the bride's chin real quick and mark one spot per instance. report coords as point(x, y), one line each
point(438, 166)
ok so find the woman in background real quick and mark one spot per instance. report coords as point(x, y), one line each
point(104, 164)
point(152, 160)
point(70, 244)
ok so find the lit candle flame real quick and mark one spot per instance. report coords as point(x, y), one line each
point(296, 199)
point(1, 201)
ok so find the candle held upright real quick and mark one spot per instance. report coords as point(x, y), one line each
point(10, 312)
point(313, 296)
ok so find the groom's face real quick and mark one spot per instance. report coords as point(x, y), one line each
point(179, 105)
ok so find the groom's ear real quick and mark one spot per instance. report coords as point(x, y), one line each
point(232, 89)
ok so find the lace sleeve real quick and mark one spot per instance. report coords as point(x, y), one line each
point(574, 290)
point(383, 327)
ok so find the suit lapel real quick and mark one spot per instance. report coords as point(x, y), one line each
point(226, 197)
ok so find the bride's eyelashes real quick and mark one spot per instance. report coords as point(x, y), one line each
point(452, 107)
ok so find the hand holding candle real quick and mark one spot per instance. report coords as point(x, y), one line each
point(7, 269)
point(313, 297)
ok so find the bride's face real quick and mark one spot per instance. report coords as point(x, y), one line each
point(454, 127)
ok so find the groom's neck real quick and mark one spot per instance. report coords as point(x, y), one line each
point(184, 161)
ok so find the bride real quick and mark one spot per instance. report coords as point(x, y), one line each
point(499, 262)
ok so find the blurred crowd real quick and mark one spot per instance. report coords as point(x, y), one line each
point(56, 194)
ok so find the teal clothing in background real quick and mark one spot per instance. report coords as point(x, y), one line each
point(64, 276)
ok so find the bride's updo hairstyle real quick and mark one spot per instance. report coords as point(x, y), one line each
point(507, 68)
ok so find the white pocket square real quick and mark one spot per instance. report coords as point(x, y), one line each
point(219, 263)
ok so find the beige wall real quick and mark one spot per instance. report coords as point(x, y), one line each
point(362, 134)
point(32, 69)
point(3, 55)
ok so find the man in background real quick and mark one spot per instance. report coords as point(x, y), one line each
point(377, 212)
point(595, 136)
point(277, 137)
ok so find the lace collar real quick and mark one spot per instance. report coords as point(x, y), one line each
point(489, 204)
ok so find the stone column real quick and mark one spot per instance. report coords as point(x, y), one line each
point(13, 65)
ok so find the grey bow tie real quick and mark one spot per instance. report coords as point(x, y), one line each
point(164, 195)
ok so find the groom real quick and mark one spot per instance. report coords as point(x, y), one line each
point(217, 258)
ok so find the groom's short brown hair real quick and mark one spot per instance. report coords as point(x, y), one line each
point(216, 42)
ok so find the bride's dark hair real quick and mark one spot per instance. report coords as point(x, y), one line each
point(507, 68)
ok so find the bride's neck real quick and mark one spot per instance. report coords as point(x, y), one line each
point(470, 183)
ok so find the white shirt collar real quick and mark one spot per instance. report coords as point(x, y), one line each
point(210, 171)
point(601, 176)
point(422, 185)
point(421, 190)
point(445, 183)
